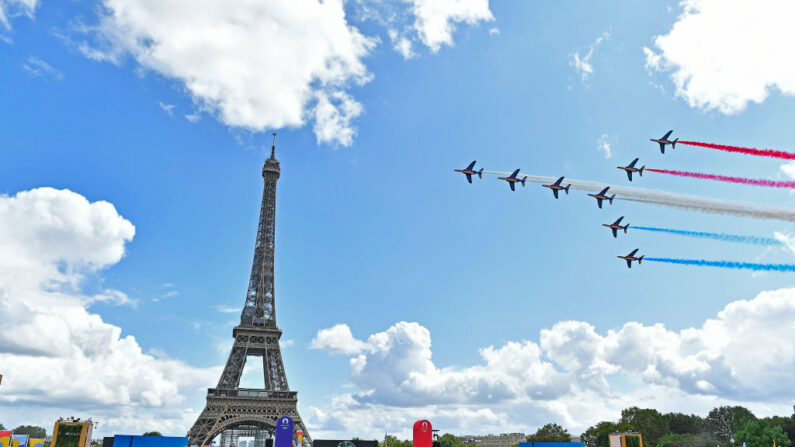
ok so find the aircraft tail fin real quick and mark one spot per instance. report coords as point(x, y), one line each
point(673, 143)
point(640, 259)
point(567, 188)
point(524, 179)
point(625, 228)
point(480, 173)
point(640, 171)
point(611, 198)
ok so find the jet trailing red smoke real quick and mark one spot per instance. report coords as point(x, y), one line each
point(772, 153)
point(724, 178)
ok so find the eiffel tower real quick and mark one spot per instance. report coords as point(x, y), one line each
point(232, 411)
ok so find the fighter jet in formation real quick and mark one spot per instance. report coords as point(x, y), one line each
point(555, 187)
point(514, 179)
point(631, 257)
point(469, 171)
point(603, 196)
point(615, 226)
point(630, 168)
point(664, 140)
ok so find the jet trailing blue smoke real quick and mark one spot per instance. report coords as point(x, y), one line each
point(717, 236)
point(728, 264)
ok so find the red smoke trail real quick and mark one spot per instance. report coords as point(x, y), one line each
point(743, 150)
point(723, 178)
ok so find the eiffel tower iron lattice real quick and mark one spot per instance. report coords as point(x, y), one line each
point(235, 411)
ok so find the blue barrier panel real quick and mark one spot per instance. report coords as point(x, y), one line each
point(548, 444)
point(149, 441)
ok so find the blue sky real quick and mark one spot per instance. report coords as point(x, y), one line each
point(374, 228)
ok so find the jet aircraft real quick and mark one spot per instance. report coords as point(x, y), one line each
point(555, 187)
point(631, 257)
point(469, 171)
point(615, 226)
point(514, 179)
point(630, 168)
point(603, 196)
point(664, 140)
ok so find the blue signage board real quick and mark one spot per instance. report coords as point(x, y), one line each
point(284, 432)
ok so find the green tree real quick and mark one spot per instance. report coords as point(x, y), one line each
point(760, 433)
point(450, 440)
point(687, 440)
point(392, 441)
point(786, 424)
point(648, 422)
point(724, 422)
point(680, 423)
point(597, 436)
point(152, 433)
point(550, 433)
point(30, 430)
point(2, 427)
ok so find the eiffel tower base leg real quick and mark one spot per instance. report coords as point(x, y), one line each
point(230, 409)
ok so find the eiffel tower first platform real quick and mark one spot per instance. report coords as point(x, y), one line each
point(231, 411)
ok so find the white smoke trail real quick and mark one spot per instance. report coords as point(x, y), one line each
point(664, 198)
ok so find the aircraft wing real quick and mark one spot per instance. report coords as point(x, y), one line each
point(615, 232)
point(618, 220)
point(513, 188)
point(604, 191)
point(633, 252)
point(472, 165)
point(514, 173)
point(558, 181)
point(469, 178)
point(599, 202)
point(629, 175)
point(631, 165)
point(629, 263)
point(665, 137)
point(662, 148)
point(555, 193)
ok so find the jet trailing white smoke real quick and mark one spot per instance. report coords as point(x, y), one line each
point(664, 198)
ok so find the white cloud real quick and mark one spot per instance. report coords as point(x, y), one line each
point(227, 309)
point(429, 22)
point(337, 339)
point(257, 65)
point(573, 374)
point(39, 68)
point(13, 8)
point(494, 31)
point(789, 169)
point(583, 63)
point(168, 108)
point(65, 356)
point(193, 117)
point(603, 144)
point(723, 54)
point(435, 20)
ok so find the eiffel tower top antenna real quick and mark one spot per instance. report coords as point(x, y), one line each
point(273, 148)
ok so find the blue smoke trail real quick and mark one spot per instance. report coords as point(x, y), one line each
point(717, 236)
point(727, 264)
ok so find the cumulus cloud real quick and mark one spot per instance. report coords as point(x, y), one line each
point(256, 65)
point(574, 373)
point(63, 355)
point(13, 8)
point(583, 63)
point(337, 339)
point(724, 54)
point(431, 23)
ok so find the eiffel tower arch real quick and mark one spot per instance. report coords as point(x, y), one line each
point(235, 412)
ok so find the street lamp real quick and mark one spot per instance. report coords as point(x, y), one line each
point(732, 441)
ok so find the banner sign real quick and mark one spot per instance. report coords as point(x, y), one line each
point(423, 434)
point(5, 438)
point(284, 432)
